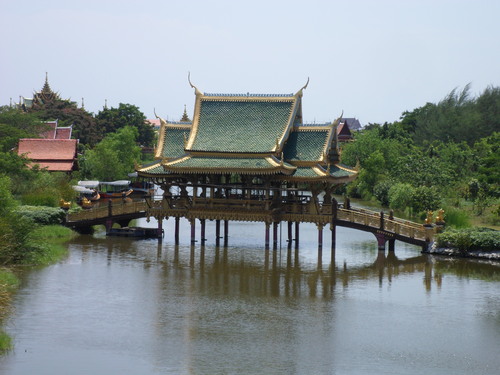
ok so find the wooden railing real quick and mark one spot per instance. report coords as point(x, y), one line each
point(254, 210)
point(115, 209)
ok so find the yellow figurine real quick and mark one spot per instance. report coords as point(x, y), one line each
point(428, 219)
point(440, 217)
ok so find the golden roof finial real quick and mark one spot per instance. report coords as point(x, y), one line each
point(299, 93)
point(197, 92)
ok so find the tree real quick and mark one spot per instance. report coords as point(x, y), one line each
point(112, 158)
point(113, 119)
point(16, 124)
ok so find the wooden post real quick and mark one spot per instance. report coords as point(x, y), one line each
point(177, 219)
point(297, 234)
point(226, 231)
point(275, 235)
point(392, 243)
point(267, 235)
point(202, 234)
point(160, 228)
point(290, 239)
point(333, 229)
point(217, 232)
point(193, 231)
point(380, 241)
point(320, 237)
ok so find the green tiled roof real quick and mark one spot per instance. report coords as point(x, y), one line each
point(306, 172)
point(309, 172)
point(305, 145)
point(241, 126)
point(173, 143)
point(209, 164)
point(154, 168)
point(339, 172)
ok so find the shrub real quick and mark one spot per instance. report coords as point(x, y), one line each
point(42, 215)
point(400, 196)
point(471, 239)
point(456, 218)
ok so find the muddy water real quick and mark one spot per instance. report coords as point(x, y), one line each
point(122, 306)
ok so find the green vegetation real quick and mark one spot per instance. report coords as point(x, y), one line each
point(444, 155)
point(471, 239)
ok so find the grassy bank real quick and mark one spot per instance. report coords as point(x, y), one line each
point(45, 246)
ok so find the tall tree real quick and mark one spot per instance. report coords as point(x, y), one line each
point(112, 158)
point(112, 119)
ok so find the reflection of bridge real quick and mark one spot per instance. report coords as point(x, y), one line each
point(386, 228)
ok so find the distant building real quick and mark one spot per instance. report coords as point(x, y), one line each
point(55, 150)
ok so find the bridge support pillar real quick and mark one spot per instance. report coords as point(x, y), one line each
point(109, 224)
point(320, 237)
point(159, 232)
point(193, 231)
point(202, 231)
point(333, 229)
point(290, 224)
point(226, 231)
point(275, 235)
point(268, 225)
point(381, 239)
point(392, 244)
point(297, 234)
point(217, 232)
point(176, 229)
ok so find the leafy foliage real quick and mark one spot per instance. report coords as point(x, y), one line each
point(456, 118)
point(113, 158)
point(113, 119)
point(472, 239)
point(41, 214)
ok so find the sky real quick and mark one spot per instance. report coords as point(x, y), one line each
point(369, 59)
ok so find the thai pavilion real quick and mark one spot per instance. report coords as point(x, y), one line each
point(246, 157)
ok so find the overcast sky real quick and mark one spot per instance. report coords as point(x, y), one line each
point(372, 59)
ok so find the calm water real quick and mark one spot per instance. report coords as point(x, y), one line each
point(122, 306)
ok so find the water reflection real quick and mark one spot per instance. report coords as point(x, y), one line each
point(284, 272)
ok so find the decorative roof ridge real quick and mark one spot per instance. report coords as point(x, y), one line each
point(249, 95)
point(303, 163)
point(323, 128)
point(307, 125)
point(178, 124)
point(345, 168)
point(229, 154)
point(49, 139)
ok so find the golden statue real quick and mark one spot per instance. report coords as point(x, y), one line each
point(440, 217)
point(428, 219)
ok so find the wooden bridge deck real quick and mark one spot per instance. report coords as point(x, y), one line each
point(257, 211)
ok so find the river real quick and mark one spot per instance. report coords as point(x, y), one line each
point(123, 306)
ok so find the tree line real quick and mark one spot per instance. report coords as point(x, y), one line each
point(439, 155)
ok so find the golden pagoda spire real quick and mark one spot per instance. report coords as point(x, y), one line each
point(185, 117)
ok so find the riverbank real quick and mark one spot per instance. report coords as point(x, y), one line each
point(453, 252)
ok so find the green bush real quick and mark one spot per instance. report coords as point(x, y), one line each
point(456, 217)
point(42, 215)
point(471, 239)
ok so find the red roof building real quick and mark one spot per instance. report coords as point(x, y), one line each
point(55, 150)
point(57, 155)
